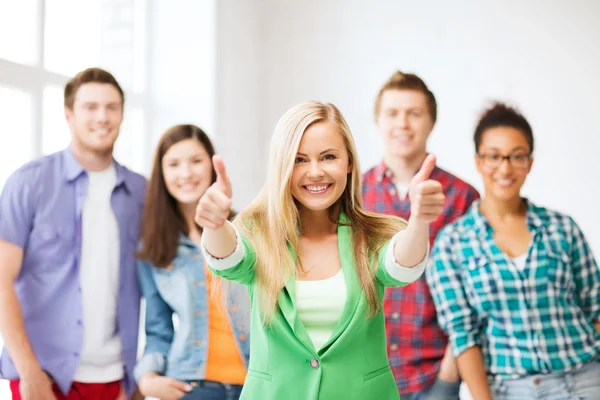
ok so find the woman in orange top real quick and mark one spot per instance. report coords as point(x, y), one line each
point(204, 354)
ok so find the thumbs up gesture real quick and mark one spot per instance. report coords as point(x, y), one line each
point(214, 206)
point(426, 195)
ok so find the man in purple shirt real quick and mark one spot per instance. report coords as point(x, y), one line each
point(69, 293)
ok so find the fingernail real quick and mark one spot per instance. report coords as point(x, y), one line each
point(188, 388)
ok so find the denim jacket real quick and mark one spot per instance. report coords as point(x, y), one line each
point(182, 353)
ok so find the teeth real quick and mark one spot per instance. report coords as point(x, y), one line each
point(316, 188)
point(504, 181)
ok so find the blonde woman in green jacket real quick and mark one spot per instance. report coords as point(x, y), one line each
point(315, 263)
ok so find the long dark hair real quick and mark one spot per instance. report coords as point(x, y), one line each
point(163, 221)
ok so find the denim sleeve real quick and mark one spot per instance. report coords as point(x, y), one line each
point(17, 207)
point(159, 325)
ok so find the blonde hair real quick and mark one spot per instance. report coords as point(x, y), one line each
point(272, 221)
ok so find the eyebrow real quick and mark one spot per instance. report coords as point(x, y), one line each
point(412, 108)
point(95, 103)
point(514, 149)
point(323, 152)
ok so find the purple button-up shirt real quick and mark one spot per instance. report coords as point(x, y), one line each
point(40, 211)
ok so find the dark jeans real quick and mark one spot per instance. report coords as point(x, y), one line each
point(440, 390)
point(209, 390)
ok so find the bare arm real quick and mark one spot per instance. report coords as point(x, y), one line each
point(412, 244)
point(426, 203)
point(597, 326)
point(220, 242)
point(12, 325)
point(34, 381)
point(472, 371)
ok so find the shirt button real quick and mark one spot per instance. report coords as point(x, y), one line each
point(394, 347)
point(314, 363)
point(393, 192)
point(242, 337)
point(200, 313)
point(395, 316)
point(198, 283)
point(234, 309)
point(537, 381)
point(79, 323)
point(199, 343)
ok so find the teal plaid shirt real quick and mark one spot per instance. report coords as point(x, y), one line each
point(530, 320)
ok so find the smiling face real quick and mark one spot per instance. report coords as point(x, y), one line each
point(405, 123)
point(187, 171)
point(503, 178)
point(321, 168)
point(95, 118)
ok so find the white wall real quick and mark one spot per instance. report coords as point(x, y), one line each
point(240, 137)
point(542, 56)
point(181, 67)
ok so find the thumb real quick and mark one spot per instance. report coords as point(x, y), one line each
point(426, 169)
point(222, 177)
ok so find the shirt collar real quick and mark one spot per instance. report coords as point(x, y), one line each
point(383, 171)
point(482, 226)
point(73, 169)
point(185, 240)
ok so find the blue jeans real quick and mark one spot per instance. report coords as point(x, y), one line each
point(209, 390)
point(582, 384)
point(440, 390)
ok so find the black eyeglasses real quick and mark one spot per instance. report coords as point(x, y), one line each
point(492, 160)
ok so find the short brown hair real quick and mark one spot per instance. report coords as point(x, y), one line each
point(401, 81)
point(88, 76)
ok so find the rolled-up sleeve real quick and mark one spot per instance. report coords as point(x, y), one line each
point(17, 206)
point(586, 273)
point(394, 274)
point(455, 315)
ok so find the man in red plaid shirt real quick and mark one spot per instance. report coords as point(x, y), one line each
point(405, 112)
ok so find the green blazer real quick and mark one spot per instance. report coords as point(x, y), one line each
point(284, 364)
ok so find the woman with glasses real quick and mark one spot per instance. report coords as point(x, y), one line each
point(515, 284)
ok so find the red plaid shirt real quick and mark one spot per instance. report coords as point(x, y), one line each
point(415, 342)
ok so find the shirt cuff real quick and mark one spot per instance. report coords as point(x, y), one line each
point(397, 271)
point(151, 362)
point(231, 260)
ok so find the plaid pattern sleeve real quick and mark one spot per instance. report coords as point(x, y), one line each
point(415, 342)
point(528, 319)
point(586, 273)
point(454, 312)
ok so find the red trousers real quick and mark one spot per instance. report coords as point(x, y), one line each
point(78, 391)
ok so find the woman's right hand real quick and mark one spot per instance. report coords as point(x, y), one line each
point(214, 207)
point(162, 387)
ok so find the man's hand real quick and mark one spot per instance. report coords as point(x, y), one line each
point(36, 386)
